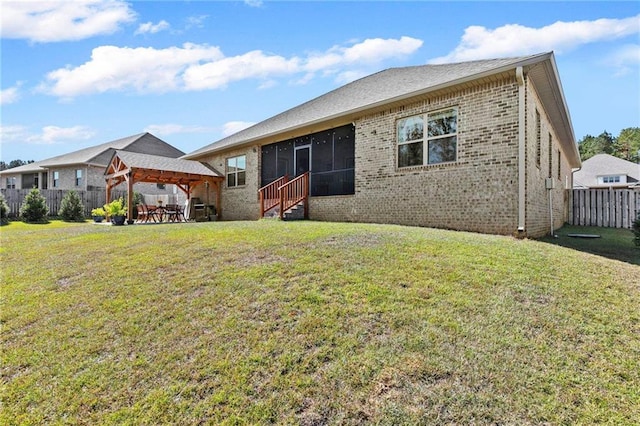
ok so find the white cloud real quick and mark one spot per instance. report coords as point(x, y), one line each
point(202, 67)
point(51, 21)
point(10, 95)
point(253, 3)
point(150, 28)
point(513, 40)
point(48, 135)
point(369, 51)
point(12, 133)
point(255, 64)
point(171, 129)
point(54, 134)
point(234, 127)
point(625, 59)
point(195, 21)
point(123, 68)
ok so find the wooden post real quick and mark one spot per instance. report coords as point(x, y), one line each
point(218, 186)
point(129, 196)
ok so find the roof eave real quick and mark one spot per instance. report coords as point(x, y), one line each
point(346, 115)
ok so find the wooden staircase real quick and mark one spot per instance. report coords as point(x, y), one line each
point(288, 200)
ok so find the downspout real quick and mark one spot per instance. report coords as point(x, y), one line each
point(521, 150)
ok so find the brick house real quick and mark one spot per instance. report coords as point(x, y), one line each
point(83, 170)
point(484, 146)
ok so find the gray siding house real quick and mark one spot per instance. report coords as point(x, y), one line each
point(83, 170)
point(484, 146)
point(607, 171)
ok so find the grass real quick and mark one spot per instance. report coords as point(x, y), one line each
point(613, 243)
point(312, 323)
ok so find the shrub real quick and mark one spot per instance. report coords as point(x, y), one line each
point(34, 208)
point(635, 228)
point(99, 211)
point(115, 208)
point(4, 211)
point(71, 208)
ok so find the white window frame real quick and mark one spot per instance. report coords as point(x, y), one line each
point(425, 140)
point(234, 170)
point(11, 182)
point(612, 179)
point(56, 179)
point(78, 177)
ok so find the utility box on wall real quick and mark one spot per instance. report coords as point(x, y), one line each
point(550, 183)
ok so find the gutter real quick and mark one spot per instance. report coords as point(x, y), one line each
point(521, 150)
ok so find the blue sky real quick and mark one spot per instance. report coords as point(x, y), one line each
point(79, 73)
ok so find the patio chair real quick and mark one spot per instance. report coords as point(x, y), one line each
point(150, 212)
point(172, 212)
point(142, 214)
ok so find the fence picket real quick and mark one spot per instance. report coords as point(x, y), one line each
point(609, 208)
point(53, 197)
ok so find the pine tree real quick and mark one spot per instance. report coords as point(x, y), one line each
point(4, 211)
point(34, 208)
point(71, 209)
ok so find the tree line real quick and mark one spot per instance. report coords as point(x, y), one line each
point(626, 145)
point(14, 163)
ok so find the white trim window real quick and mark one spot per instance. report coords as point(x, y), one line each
point(56, 179)
point(236, 171)
point(611, 179)
point(441, 138)
point(11, 182)
point(78, 177)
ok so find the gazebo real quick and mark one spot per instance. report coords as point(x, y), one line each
point(133, 167)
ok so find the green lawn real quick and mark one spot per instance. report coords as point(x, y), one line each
point(312, 323)
point(614, 243)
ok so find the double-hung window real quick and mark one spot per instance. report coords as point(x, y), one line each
point(236, 171)
point(78, 177)
point(56, 179)
point(438, 145)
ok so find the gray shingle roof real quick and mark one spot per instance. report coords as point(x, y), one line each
point(167, 164)
point(90, 155)
point(87, 154)
point(368, 92)
point(605, 165)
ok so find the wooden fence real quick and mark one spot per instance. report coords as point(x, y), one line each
point(609, 208)
point(53, 197)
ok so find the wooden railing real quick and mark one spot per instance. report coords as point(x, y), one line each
point(294, 192)
point(270, 195)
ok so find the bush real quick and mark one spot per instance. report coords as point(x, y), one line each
point(635, 228)
point(34, 208)
point(115, 208)
point(4, 211)
point(71, 208)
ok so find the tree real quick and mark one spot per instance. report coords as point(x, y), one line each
point(590, 145)
point(34, 208)
point(14, 163)
point(628, 144)
point(4, 211)
point(71, 208)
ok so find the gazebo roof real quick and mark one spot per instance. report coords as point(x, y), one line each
point(158, 169)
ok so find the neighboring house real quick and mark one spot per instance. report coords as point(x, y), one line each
point(484, 146)
point(607, 171)
point(84, 169)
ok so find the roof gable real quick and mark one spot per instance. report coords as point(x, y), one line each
point(605, 165)
point(382, 88)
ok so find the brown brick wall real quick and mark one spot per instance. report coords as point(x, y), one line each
point(241, 202)
point(478, 192)
point(538, 220)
